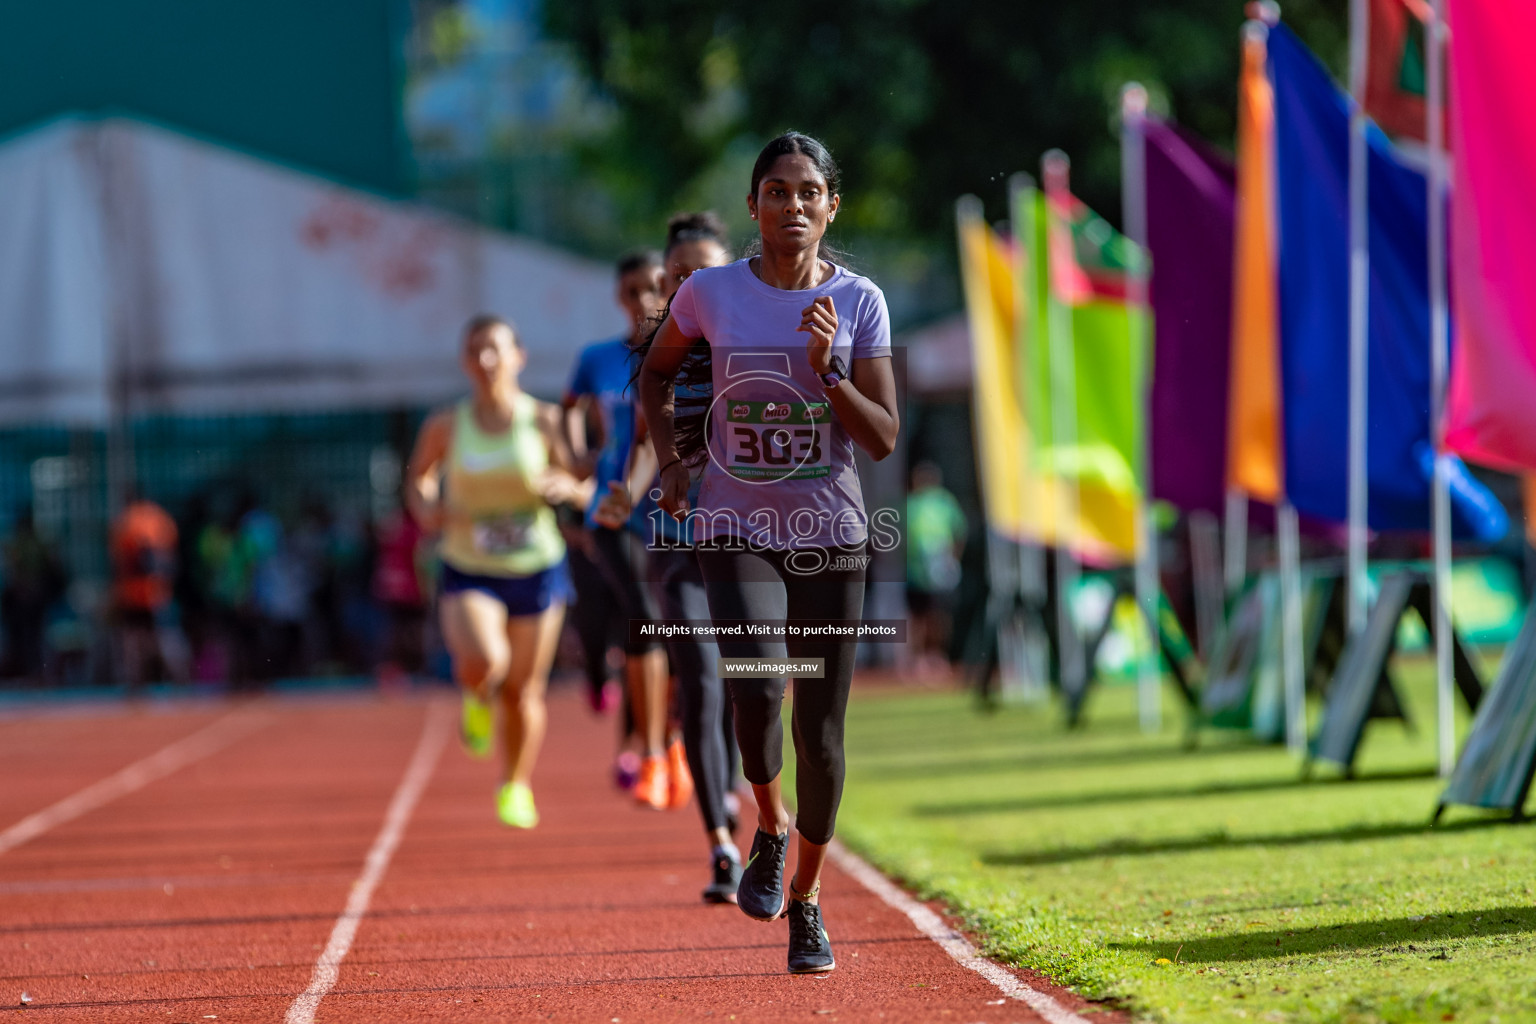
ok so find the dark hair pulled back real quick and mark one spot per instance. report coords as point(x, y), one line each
point(791, 143)
point(703, 226)
point(484, 321)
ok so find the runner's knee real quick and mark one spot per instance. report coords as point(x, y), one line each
point(479, 668)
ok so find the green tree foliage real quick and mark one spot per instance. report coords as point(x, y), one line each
point(920, 100)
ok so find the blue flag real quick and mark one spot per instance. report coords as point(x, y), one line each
point(1312, 157)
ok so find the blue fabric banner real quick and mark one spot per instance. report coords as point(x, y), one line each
point(1312, 155)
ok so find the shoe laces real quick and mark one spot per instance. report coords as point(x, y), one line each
point(805, 925)
point(769, 846)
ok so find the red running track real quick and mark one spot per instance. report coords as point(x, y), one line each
point(209, 891)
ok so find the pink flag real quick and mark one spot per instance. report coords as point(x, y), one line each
point(1491, 415)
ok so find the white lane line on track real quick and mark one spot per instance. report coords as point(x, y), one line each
point(949, 940)
point(165, 761)
point(328, 968)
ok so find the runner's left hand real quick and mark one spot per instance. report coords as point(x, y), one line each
point(614, 507)
point(558, 487)
point(819, 320)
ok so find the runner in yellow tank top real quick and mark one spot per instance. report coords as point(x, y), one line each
point(484, 473)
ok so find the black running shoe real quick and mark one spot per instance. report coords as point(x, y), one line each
point(722, 888)
point(810, 952)
point(761, 892)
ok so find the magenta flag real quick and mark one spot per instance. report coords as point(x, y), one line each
point(1491, 413)
point(1189, 230)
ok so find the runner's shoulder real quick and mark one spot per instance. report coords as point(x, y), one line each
point(861, 303)
point(852, 281)
point(710, 280)
point(548, 414)
point(439, 422)
point(601, 351)
point(435, 436)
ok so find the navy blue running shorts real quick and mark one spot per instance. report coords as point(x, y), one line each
point(522, 595)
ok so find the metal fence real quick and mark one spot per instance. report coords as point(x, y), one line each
point(348, 462)
point(340, 469)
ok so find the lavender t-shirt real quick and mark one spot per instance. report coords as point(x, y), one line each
point(781, 472)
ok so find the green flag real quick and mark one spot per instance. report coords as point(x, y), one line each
point(1083, 360)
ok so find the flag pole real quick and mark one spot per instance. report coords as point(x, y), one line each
point(1031, 566)
point(1286, 526)
point(1439, 357)
point(1359, 313)
point(1235, 535)
point(1055, 169)
point(1133, 186)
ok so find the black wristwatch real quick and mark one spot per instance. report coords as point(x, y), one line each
point(836, 375)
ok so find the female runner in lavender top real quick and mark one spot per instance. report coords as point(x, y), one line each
point(798, 360)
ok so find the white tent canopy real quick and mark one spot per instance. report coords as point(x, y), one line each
point(142, 267)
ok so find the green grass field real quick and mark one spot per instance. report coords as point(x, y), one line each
point(1204, 885)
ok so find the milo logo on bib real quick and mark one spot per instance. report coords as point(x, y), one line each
point(778, 441)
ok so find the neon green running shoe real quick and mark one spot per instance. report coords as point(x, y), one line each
point(514, 805)
point(475, 726)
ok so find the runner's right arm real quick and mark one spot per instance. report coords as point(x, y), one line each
point(584, 443)
point(560, 484)
point(658, 402)
point(423, 481)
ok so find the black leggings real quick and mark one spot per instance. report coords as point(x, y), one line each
point(596, 616)
point(622, 556)
point(703, 708)
point(758, 584)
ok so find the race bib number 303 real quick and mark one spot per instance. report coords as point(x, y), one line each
point(778, 440)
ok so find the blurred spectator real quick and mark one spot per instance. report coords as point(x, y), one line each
point(936, 532)
point(215, 552)
point(278, 597)
point(312, 546)
point(190, 595)
point(397, 586)
point(143, 546)
point(33, 580)
point(231, 551)
point(357, 612)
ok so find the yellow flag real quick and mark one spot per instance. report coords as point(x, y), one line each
point(987, 275)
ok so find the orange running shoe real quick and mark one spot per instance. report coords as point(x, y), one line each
point(652, 786)
point(681, 789)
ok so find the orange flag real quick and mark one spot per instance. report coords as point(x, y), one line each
point(1254, 463)
point(1528, 489)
